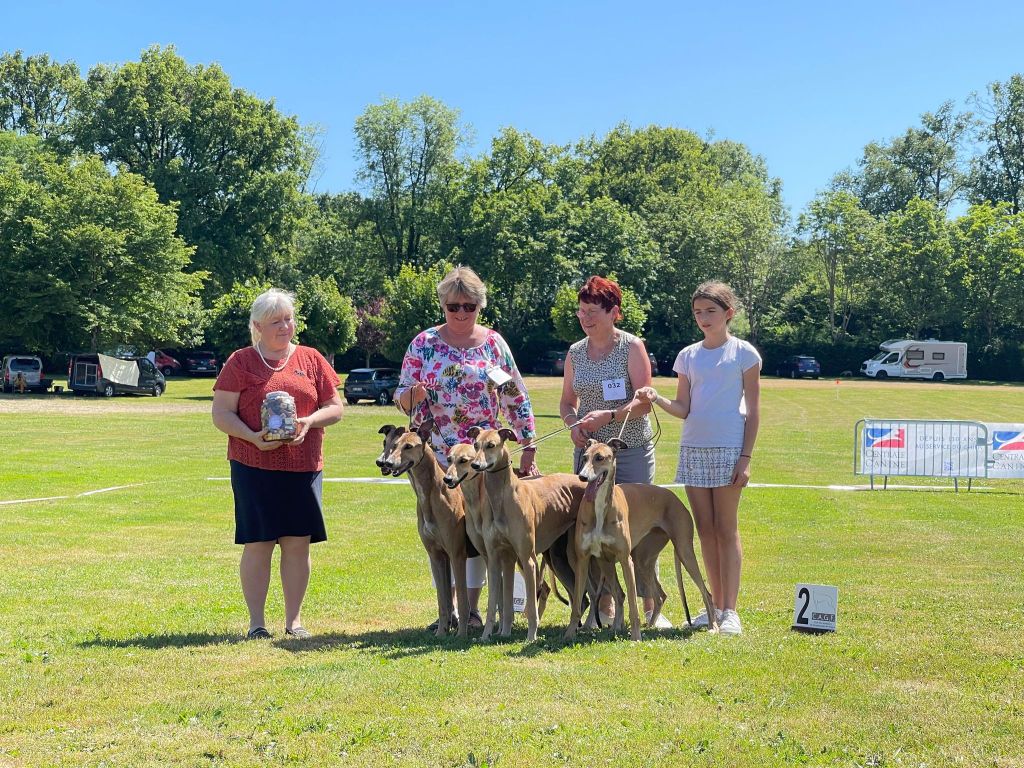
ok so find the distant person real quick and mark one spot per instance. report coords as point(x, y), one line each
point(718, 394)
point(277, 485)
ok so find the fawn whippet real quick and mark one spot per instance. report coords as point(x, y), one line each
point(615, 519)
point(440, 517)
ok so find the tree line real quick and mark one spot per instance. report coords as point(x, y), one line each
point(146, 204)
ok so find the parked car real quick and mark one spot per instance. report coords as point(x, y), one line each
point(550, 364)
point(200, 362)
point(29, 367)
point(798, 366)
point(377, 384)
point(108, 376)
point(168, 365)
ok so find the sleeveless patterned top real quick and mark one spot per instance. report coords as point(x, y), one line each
point(587, 379)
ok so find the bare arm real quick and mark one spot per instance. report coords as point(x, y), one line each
point(640, 377)
point(752, 396)
point(226, 419)
point(680, 407)
point(569, 403)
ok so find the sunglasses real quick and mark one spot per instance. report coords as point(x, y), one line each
point(466, 307)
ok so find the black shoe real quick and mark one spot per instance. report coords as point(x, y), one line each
point(257, 633)
point(299, 633)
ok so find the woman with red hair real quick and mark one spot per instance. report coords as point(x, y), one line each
point(602, 372)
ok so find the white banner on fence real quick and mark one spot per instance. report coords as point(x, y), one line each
point(1006, 444)
point(923, 449)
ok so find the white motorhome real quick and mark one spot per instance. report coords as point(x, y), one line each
point(910, 359)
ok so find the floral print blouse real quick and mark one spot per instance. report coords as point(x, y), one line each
point(459, 393)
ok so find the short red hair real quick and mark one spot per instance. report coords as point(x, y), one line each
point(602, 291)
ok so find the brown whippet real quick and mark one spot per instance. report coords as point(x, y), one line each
point(440, 517)
point(479, 528)
point(616, 520)
point(528, 516)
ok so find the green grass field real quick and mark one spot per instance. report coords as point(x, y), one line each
point(121, 616)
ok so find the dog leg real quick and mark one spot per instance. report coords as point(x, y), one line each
point(582, 569)
point(493, 592)
point(684, 553)
point(461, 594)
point(630, 578)
point(508, 570)
point(530, 575)
point(442, 578)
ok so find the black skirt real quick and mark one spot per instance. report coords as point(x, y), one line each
point(270, 504)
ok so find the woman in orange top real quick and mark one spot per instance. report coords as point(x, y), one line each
point(277, 485)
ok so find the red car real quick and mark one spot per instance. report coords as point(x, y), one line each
point(168, 365)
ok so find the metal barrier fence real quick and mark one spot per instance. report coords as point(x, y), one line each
point(921, 448)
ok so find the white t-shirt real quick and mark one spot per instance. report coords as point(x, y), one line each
point(717, 408)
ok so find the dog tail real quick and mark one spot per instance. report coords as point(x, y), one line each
point(682, 590)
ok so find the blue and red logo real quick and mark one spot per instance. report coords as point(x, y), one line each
point(884, 437)
point(1008, 441)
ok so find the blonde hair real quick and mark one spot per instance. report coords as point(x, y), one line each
point(465, 281)
point(718, 292)
point(269, 304)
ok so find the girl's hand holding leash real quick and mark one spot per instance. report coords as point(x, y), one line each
point(646, 396)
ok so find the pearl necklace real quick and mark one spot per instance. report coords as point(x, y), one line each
point(283, 362)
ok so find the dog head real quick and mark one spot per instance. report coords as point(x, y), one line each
point(460, 460)
point(403, 449)
point(490, 448)
point(598, 464)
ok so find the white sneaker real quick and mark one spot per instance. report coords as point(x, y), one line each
point(729, 623)
point(700, 621)
point(661, 623)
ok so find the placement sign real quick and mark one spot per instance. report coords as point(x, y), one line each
point(815, 608)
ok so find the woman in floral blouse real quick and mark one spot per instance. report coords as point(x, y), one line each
point(448, 374)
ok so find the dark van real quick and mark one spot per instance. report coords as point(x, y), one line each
point(109, 376)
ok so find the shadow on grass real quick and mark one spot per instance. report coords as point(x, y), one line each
point(393, 644)
point(173, 640)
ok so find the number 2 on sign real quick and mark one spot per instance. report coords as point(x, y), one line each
point(805, 593)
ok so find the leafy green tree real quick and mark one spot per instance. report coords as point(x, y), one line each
point(371, 328)
point(924, 162)
point(406, 150)
point(329, 317)
point(335, 239)
point(88, 259)
point(839, 236)
point(912, 274)
point(988, 245)
point(37, 96)
point(411, 306)
point(234, 164)
point(567, 324)
point(228, 327)
point(998, 174)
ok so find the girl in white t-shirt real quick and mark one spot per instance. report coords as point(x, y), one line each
point(718, 394)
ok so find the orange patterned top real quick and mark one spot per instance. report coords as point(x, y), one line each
point(307, 377)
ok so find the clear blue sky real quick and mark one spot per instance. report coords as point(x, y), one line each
point(806, 85)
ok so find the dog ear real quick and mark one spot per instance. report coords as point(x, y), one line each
point(616, 445)
point(386, 429)
point(590, 442)
point(472, 432)
point(424, 430)
point(507, 434)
